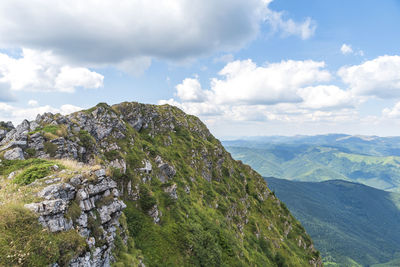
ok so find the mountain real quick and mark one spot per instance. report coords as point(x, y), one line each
point(371, 161)
point(350, 223)
point(136, 185)
point(357, 144)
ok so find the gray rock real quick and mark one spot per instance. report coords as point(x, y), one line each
point(52, 181)
point(147, 167)
point(171, 190)
point(106, 211)
point(11, 175)
point(48, 207)
point(56, 223)
point(102, 186)
point(62, 191)
point(100, 173)
point(15, 153)
point(166, 171)
point(155, 213)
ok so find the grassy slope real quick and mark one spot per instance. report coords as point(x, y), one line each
point(347, 221)
point(232, 220)
point(316, 163)
point(23, 241)
point(202, 228)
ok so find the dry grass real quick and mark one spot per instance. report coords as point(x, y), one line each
point(77, 166)
point(50, 136)
point(11, 193)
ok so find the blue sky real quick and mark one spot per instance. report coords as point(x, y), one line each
point(254, 67)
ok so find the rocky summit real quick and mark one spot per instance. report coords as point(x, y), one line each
point(136, 185)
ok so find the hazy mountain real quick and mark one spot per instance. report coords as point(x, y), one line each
point(350, 223)
point(372, 161)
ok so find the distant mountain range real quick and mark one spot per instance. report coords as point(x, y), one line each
point(370, 160)
point(351, 224)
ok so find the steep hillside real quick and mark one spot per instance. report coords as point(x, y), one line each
point(306, 162)
point(188, 203)
point(348, 222)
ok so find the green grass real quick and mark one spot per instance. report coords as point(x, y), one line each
point(34, 172)
point(23, 242)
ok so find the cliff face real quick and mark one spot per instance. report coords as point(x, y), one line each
point(188, 202)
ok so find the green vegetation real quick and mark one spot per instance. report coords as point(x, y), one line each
point(34, 172)
point(209, 226)
point(50, 148)
point(23, 242)
point(313, 163)
point(224, 214)
point(351, 224)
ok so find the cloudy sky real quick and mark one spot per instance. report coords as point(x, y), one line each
point(245, 67)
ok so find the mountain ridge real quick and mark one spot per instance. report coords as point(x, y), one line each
point(187, 201)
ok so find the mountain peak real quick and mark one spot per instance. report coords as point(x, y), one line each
point(188, 202)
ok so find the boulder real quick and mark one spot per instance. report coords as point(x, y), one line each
point(15, 153)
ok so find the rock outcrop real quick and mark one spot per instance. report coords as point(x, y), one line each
point(91, 207)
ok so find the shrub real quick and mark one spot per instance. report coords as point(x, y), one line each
point(33, 173)
point(86, 140)
point(74, 211)
point(147, 201)
point(50, 148)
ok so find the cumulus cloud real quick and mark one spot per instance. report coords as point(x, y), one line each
point(243, 82)
point(118, 32)
point(379, 77)
point(346, 49)
point(393, 112)
point(43, 71)
point(190, 91)
point(33, 103)
point(325, 96)
point(17, 114)
point(284, 91)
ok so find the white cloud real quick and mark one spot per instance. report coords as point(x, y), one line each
point(18, 114)
point(325, 96)
point(118, 32)
point(32, 103)
point(190, 91)
point(289, 91)
point(379, 77)
point(392, 112)
point(304, 30)
point(43, 71)
point(346, 49)
point(246, 83)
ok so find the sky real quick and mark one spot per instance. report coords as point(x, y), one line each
point(245, 67)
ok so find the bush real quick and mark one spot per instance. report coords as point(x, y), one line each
point(33, 173)
point(50, 148)
point(74, 211)
point(147, 201)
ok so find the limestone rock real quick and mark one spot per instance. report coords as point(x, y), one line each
point(15, 153)
point(166, 171)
